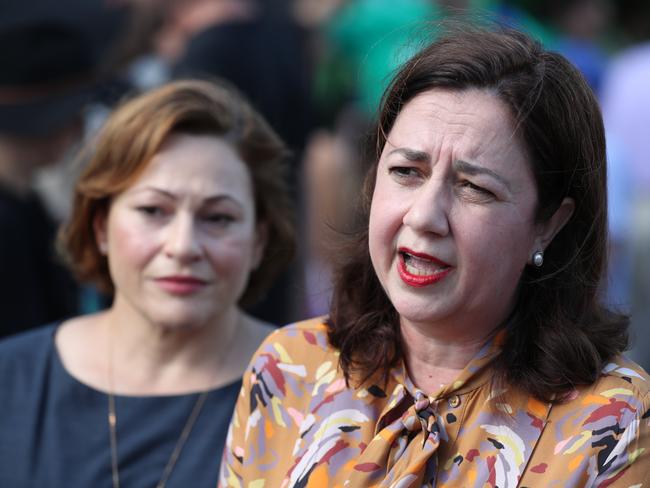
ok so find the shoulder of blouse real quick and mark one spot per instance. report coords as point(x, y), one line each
point(622, 386)
point(621, 372)
point(620, 380)
point(299, 345)
point(298, 337)
point(605, 426)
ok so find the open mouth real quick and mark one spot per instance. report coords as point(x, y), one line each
point(419, 270)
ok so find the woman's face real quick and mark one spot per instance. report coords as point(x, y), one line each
point(452, 217)
point(182, 240)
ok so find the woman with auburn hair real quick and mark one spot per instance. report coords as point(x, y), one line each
point(466, 344)
point(184, 215)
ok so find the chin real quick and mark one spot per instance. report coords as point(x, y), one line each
point(417, 316)
point(420, 318)
point(416, 311)
point(180, 320)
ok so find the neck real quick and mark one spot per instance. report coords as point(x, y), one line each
point(148, 358)
point(435, 357)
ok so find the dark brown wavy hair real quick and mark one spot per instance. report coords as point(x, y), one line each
point(560, 335)
point(135, 132)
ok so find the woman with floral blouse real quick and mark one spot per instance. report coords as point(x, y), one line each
point(466, 344)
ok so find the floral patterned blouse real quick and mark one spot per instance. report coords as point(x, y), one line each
point(296, 424)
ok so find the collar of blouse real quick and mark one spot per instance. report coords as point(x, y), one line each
point(412, 424)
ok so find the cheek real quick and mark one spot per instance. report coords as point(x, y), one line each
point(495, 247)
point(233, 255)
point(379, 239)
point(384, 224)
point(129, 245)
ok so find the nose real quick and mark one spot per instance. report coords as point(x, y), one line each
point(181, 241)
point(429, 207)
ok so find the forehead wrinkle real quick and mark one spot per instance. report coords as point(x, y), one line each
point(459, 130)
point(495, 134)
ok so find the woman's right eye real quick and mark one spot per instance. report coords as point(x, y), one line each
point(404, 171)
point(151, 210)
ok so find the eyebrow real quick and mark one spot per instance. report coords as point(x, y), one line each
point(460, 165)
point(209, 200)
point(472, 169)
point(412, 154)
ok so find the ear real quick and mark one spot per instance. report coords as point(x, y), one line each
point(261, 239)
point(101, 234)
point(547, 230)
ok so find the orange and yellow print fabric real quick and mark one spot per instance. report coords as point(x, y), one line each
point(297, 424)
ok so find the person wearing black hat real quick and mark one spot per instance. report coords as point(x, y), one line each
point(49, 69)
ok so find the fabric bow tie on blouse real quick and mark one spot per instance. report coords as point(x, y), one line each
point(403, 452)
point(406, 446)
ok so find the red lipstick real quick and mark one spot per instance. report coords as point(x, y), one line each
point(180, 285)
point(411, 260)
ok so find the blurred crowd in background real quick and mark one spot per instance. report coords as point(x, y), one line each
point(316, 69)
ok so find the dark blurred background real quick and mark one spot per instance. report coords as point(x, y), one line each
point(316, 69)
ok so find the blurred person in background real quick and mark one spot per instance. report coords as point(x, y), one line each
point(259, 47)
point(577, 30)
point(183, 214)
point(331, 179)
point(50, 68)
point(467, 343)
point(369, 40)
point(626, 110)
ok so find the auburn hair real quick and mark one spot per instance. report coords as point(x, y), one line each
point(136, 131)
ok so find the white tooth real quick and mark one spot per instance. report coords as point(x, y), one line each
point(415, 271)
point(418, 271)
point(420, 267)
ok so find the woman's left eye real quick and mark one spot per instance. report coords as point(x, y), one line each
point(219, 218)
point(477, 189)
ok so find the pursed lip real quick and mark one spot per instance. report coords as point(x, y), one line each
point(180, 285)
point(418, 280)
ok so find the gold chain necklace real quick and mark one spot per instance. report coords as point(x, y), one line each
point(112, 426)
